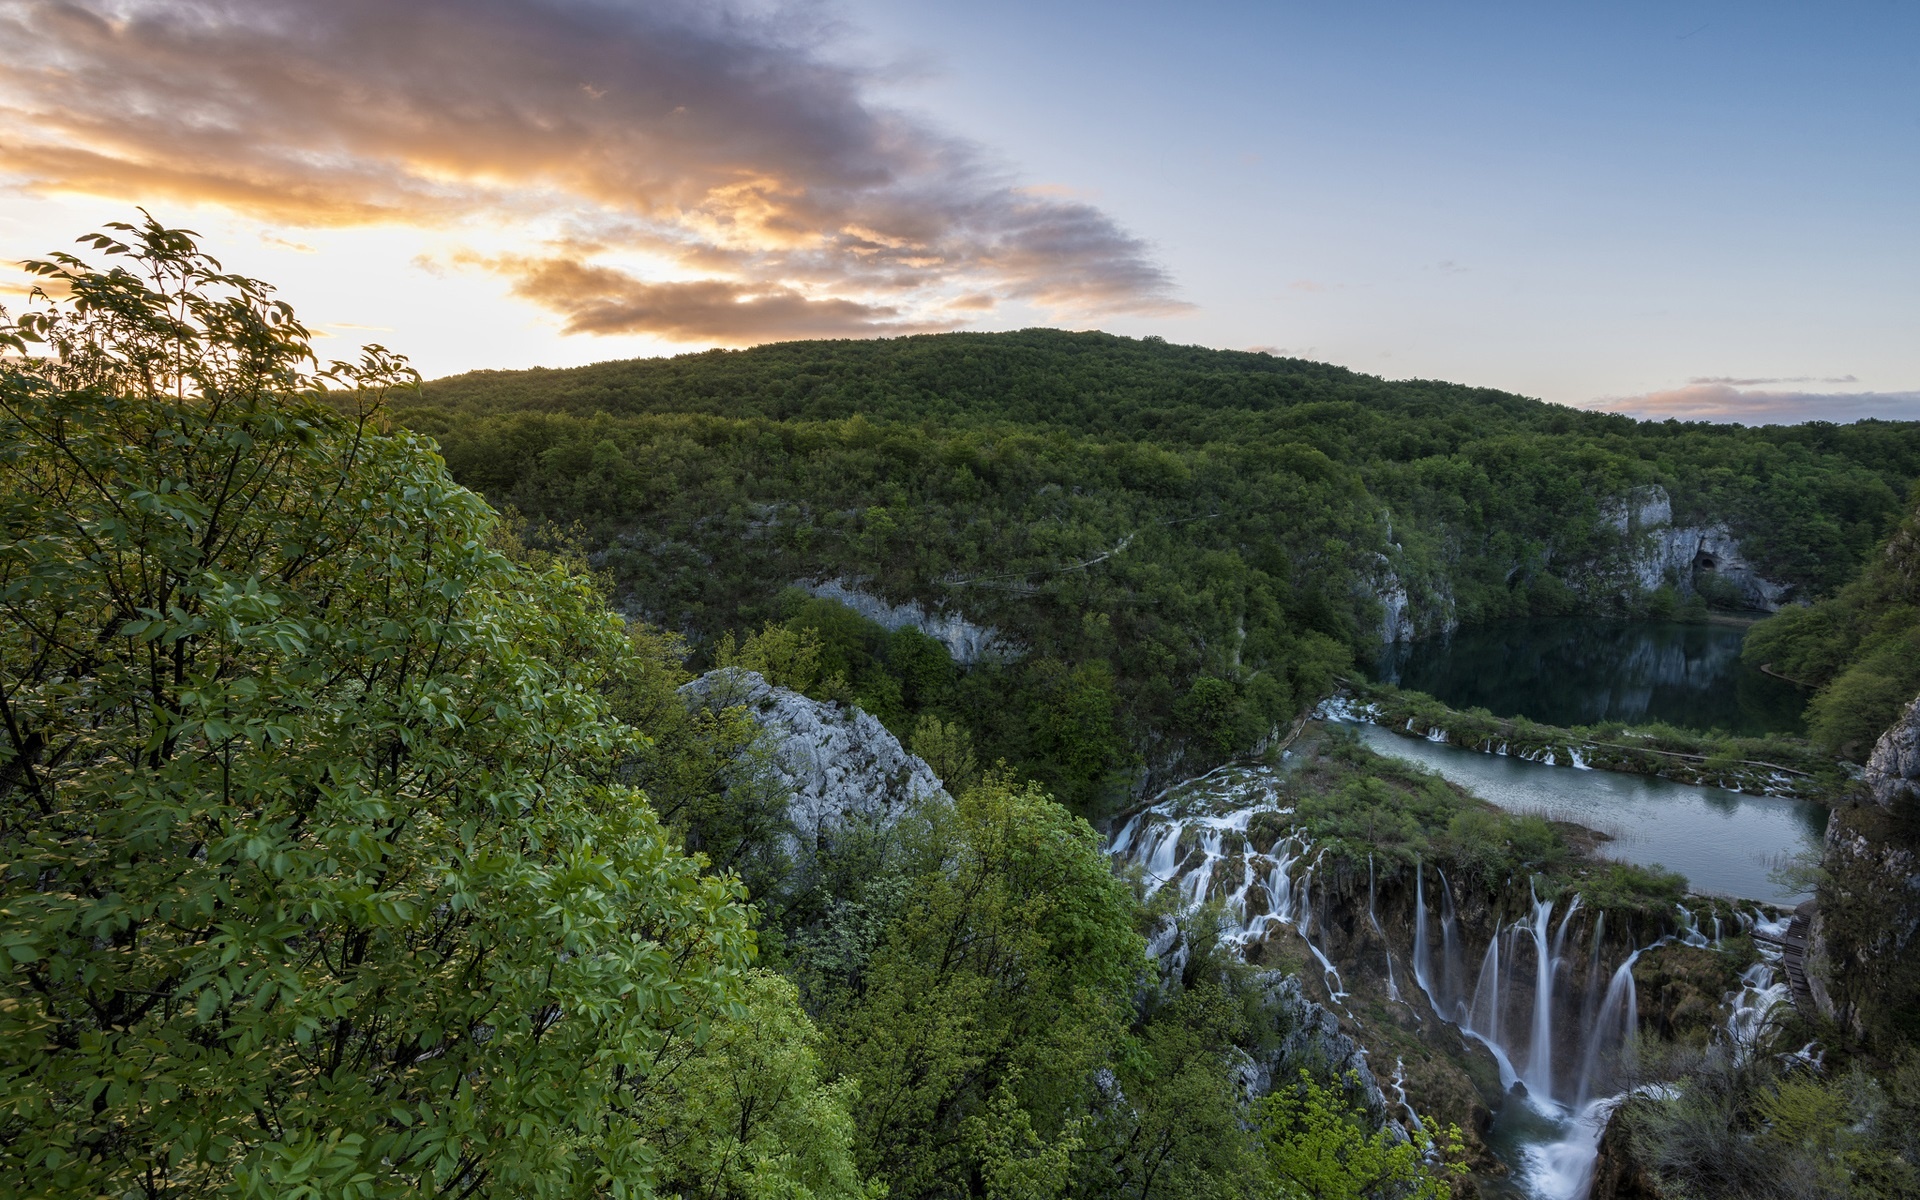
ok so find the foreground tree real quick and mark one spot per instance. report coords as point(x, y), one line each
point(313, 876)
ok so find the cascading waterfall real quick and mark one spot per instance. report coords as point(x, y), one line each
point(1421, 974)
point(1483, 1013)
point(1593, 971)
point(1451, 965)
point(1560, 938)
point(1616, 1021)
point(1200, 866)
point(1752, 1007)
point(1372, 917)
point(1399, 1085)
point(1539, 1077)
point(1212, 858)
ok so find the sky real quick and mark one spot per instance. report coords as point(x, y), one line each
point(1699, 210)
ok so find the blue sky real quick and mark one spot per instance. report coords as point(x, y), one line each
point(1680, 209)
point(1572, 201)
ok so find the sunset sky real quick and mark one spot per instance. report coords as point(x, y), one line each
point(1665, 209)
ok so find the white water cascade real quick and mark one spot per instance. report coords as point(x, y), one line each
point(1565, 1038)
point(1612, 1028)
point(1539, 1075)
point(1451, 966)
point(1188, 842)
point(1421, 974)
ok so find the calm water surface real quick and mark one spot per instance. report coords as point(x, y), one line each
point(1582, 671)
point(1725, 843)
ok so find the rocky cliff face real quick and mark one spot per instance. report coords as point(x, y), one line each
point(1402, 616)
point(1650, 552)
point(1309, 1036)
point(967, 642)
point(840, 766)
point(1865, 937)
point(1299, 1032)
point(1893, 769)
point(1694, 558)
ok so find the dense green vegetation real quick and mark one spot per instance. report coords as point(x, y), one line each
point(315, 880)
point(330, 863)
point(350, 846)
point(1194, 539)
point(1860, 647)
point(1752, 1122)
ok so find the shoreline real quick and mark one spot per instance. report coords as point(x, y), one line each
point(1415, 714)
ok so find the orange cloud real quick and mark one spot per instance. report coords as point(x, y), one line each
point(603, 300)
point(721, 136)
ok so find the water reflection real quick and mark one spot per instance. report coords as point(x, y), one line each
point(1724, 843)
point(1582, 671)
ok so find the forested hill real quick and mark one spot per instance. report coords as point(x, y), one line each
point(1813, 497)
point(1097, 383)
point(1181, 545)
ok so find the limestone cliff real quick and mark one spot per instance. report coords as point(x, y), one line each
point(967, 642)
point(1865, 937)
point(1640, 549)
point(1297, 1032)
point(1309, 1036)
point(840, 766)
point(1893, 769)
point(1693, 558)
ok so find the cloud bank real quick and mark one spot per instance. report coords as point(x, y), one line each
point(1725, 400)
point(698, 171)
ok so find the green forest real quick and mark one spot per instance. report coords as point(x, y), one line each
point(360, 842)
point(1185, 546)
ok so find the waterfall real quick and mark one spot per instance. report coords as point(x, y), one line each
point(1453, 970)
point(1690, 929)
point(1560, 938)
point(1420, 972)
point(1162, 860)
point(1563, 1170)
point(1190, 844)
point(1539, 1077)
point(1593, 971)
point(1399, 1086)
point(1486, 995)
point(1620, 1012)
point(1153, 838)
point(1194, 887)
point(1751, 1008)
point(1280, 883)
point(1371, 917)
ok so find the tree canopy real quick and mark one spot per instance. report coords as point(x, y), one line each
point(315, 876)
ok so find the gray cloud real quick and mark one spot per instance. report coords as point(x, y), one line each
point(1729, 380)
point(1722, 401)
point(722, 138)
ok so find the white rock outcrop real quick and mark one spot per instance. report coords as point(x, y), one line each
point(1685, 555)
point(967, 642)
point(1893, 770)
point(1401, 618)
point(841, 766)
